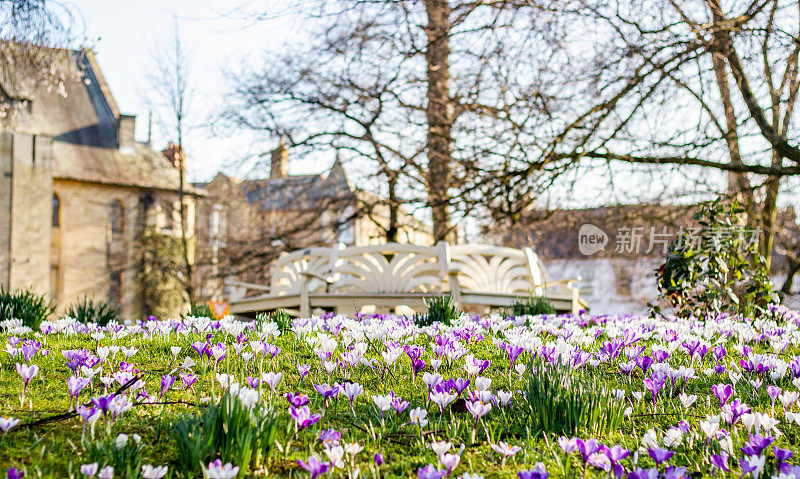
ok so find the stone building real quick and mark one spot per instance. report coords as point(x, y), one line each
point(245, 224)
point(77, 191)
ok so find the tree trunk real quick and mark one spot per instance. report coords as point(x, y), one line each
point(786, 288)
point(394, 206)
point(738, 184)
point(768, 214)
point(439, 114)
point(187, 263)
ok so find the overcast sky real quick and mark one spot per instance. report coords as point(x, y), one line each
point(215, 37)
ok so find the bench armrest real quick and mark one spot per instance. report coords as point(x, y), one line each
point(237, 290)
point(326, 280)
point(557, 282)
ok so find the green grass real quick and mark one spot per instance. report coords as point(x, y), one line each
point(58, 449)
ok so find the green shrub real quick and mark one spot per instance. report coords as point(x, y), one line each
point(715, 269)
point(561, 401)
point(441, 309)
point(200, 310)
point(279, 317)
point(88, 311)
point(30, 308)
point(533, 306)
point(123, 455)
point(228, 430)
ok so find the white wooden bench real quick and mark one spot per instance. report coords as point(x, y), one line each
point(345, 279)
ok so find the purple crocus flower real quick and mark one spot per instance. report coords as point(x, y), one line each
point(691, 347)
point(723, 392)
point(378, 459)
point(399, 405)
point(330, 438)
point(644, 362)
point(660, 455)
point(538, 472)
point(297, 400)
point(303, 417)
point(782, 455)
point(76, 384)
point(587, 447)
point(660, 355)
point(720, 461)
point(750, 464)
point(460, 384)
point(14, 473)
point(482, 365)
point(733, 411)
point(513, 353)
point(167, 382)
point(773, 392)
point(303, 370)
point(413, 351)
point(756, 445)
point(719, 352)
point(29, 349)
point(188, 379)
point(253, 382)
point(314, 466)
point(615, 455)
point(417, 365)
point(643, 474)
point(103, 402)
point(654, 384)
point(567, 445)
point(430, 472)
point(27, 372)
point(675, 472)
point(326, 391)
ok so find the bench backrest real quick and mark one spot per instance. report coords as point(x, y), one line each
point(494, 269)
point(406, 268)
point(388, 268)
point(287, 273)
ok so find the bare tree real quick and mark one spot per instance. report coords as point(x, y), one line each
point(692, 87)
point(432, 90)
point(169, 93)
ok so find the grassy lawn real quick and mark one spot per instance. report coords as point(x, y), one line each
point(603, 390)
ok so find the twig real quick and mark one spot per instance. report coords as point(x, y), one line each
point(71, 414)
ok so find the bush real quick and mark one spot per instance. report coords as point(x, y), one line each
point(28, 307)
point(533, 306)
point(561, 401)
point(87, 311)
point(228, 430)
point(200, 310)
point(441, 309)
point(715, 270)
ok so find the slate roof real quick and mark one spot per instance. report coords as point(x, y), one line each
point(82, 120)
point(294, 192)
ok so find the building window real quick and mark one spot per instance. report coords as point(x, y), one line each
point(56, 219)
point(116, 218)
point(169, 217)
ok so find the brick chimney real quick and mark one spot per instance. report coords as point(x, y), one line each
point(279, 164)
point(175, 155)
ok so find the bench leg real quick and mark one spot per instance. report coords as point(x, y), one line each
point(305, 307)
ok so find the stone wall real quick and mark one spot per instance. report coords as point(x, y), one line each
point(25, 228)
